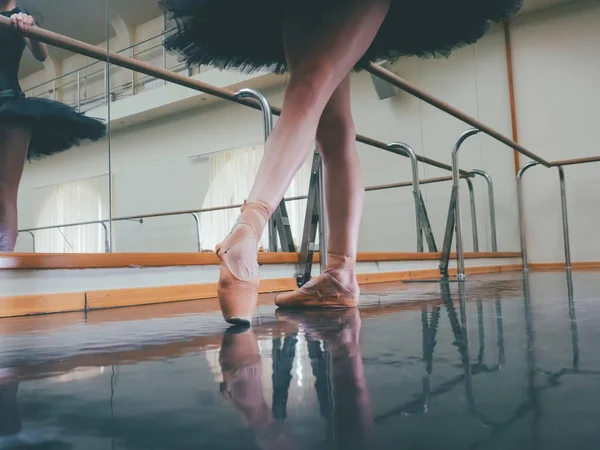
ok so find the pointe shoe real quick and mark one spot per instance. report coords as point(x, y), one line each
point(237, 295)
point(325, 291)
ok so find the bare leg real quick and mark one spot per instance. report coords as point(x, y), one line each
point(341, 37)
point(14, 143)
point(336, 139)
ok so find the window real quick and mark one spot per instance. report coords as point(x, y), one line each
point(69, 203)
point(232, 175)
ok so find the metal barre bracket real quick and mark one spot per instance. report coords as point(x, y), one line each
point(312, 220)
point(454, 219)
point(423, 224)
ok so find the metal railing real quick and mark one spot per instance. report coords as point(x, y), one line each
point(79, 79)
point(195, 214)
point(563, 204)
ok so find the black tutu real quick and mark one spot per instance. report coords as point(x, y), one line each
point(246, 34)
point(56, 127)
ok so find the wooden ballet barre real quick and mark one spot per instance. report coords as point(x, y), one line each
point(406, 86)
point(572, 162)
point(83, 48)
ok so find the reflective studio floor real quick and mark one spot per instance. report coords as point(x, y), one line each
point(508, 365)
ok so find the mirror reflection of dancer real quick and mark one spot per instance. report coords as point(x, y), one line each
point(319, 42)
point(29, 127)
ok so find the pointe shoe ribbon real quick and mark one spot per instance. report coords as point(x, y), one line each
point(238, 293)
point(325, 291)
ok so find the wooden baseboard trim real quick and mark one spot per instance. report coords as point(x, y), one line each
point(49, 261)
point(16, 306)
point(26, 305)
point(552, 267)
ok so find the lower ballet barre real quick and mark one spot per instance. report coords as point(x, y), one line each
point(195, 214)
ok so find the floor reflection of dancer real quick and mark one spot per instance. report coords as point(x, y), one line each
point(339, 372)
point(12, 434)
point(29, 127)
point(242, 386)
point(320, 42)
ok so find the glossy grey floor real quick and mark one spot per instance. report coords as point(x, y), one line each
point(499, 362)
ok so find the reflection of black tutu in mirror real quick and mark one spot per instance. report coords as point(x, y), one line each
point(246, 34)
point(56, 127)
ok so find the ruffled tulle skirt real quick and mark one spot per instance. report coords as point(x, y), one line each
point(55, 127)
point(247, 34)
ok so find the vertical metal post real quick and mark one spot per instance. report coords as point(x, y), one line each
point(106, 240)
point(473, 216)
point(573, 317)
point(492, 206)
point(32, 240)
point(565, 218)
point(323, 223)
point(133, 73)
point(460, 253)
point(198, 234)
point(109, 240)
point(406, 150)
point(78, 91)
point(164, 49)
point(311, 223)
point(521, 204)
point(106, 85)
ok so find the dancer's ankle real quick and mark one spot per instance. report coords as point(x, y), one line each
point(256, 215)
point(343, 269)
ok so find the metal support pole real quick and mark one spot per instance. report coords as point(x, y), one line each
point(565, 218)
point(473, 215)
point(106, 93)
point(106, 241)
point(198, 236)
point(520, 201)
point(492, 206)
point(311, 224)
point(133, 73)
point(78, 91)
point(460, 253)
point(323, 228)
point(279, 223)
point(32, 239)
point(406, 150)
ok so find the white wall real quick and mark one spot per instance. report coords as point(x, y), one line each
point(557, 68)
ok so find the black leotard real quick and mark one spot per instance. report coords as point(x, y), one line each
point(12, 46)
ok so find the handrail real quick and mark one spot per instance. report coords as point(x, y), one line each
point(73, 72)
point(406, 86)
point(572, 162)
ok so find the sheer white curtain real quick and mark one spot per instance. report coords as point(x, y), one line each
point(232, 174)
point(73, 202)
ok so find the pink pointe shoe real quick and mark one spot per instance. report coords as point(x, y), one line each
point(325, 291)
point(238, 289)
